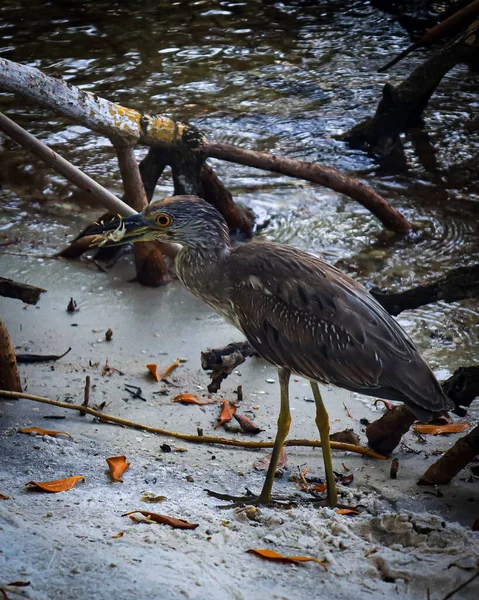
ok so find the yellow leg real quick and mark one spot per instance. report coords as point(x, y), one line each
point(284, 421)
point(322, 421)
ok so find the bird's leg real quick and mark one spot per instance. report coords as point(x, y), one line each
point(322, 421)
point(284, 421)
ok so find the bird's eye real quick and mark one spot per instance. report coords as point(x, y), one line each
point(163, 220)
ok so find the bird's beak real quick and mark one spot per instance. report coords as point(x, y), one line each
point(121, 231)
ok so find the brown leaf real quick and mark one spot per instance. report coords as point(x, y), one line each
point(40, 431)
point(19, 583)
point(272, 555)
point(169, 369)
point(163, 519)
point(346, 511)
point(228, 409)
point(393, 471)
point(4, 497)
point(345, 467)
point(118, 535)
point(247, 425)
point(441, 429)
point(346, 437)
point(346, 479)
point(118, 466)
point(150, 497)
point(192, 399)
point(59, 485)
point(154, 371)
point(319, 488)
point(263, 463)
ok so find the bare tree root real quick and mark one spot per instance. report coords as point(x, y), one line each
point(453, 461)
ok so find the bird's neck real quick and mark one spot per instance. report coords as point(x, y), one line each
point(198, 258)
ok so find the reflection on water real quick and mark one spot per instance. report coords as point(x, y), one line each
point(269, 75)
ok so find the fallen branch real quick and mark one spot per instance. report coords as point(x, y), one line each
point(326, 176)
point(29, 294)
point(198, 439)
point(222, 361)
point(385, 433)
point(453, 461)
point(457, 285)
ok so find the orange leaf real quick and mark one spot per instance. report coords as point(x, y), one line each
point(40, 431)
point(192, 399)
point(59, 485)
point(154, 371)
point(346, 511)
point(118, 466)
point(118, 535)
point(320, 488)
point(227, 411)
point(163, 519)
point(168, 370)
point(440, 429)
point(272, 555)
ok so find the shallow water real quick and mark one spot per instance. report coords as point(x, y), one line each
point(274, 76)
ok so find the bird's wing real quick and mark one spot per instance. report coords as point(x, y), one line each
point(298, 311)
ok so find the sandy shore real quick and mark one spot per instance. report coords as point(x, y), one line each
point(63, 543)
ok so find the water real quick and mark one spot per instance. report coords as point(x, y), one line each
point(275, 76)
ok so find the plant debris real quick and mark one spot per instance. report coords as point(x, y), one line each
point(40, 431)
point(118, 466)
point(150, 497)
point(441, 429)
point(171, 368)
point(393, 471)
point(58, 485)
point(345, 437)
point(272, 555)
point(346, 511)
point(192, 399)
point(162, 519)
point(34, 358)
point(108, 334)
point(228, 409)
point(72, 306)
point(108, 371)
point(135, 391)
point(247, 425)
point(347, 411)
point(118, 535)
point(263, 463)
point(154, 371)
point(4, 497)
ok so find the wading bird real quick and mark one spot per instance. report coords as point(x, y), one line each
point(297, 311)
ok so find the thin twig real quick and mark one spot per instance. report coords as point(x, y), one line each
point(462, 586)
point(205, 439)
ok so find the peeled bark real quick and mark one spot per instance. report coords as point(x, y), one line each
point(9, 376)
point(385, 433)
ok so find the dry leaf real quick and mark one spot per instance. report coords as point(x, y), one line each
point(263, 463)
point(345, 467)
point(346, 511)
point(154, 371)
point(228, 409)
point(320, 488)
point(441, 429)
point(272, 555)
point(347, 411)
point(40, 431)
point(192, 399)
point(118, 535)
point(346, 479)
point(118, 466)
point(150, 497)
point(163, 519)
point(4, 497)
point(393, 471)
point(169, 369)
point(346, 437)
point(59, 485)
point(247, 425)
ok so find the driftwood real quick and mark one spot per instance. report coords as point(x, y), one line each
point(9, 376)
point(29, 294)
point(457, 20)
point(385, 433)
point(453, 461)
point(401, 106)
point(185, 146)
point(222, 361)
point(456, 285)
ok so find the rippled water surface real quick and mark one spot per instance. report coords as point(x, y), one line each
point(276, 76)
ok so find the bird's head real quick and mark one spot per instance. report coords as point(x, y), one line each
point(186, 220)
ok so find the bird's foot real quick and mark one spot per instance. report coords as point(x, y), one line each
point(260, 500)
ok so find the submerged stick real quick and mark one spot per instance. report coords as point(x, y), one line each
point(203, 439)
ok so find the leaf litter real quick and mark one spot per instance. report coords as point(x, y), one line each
point(151, 517)
point(117, 466)
point(272, 555)
point(40, 431)
point(58, 485)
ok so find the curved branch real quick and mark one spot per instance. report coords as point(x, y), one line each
point(326, 176)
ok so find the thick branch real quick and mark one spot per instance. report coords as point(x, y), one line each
point(401, 107)
point(326, 176)
point(29, 294)
point(456, 285)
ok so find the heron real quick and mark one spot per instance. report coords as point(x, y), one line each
point(299, 313)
